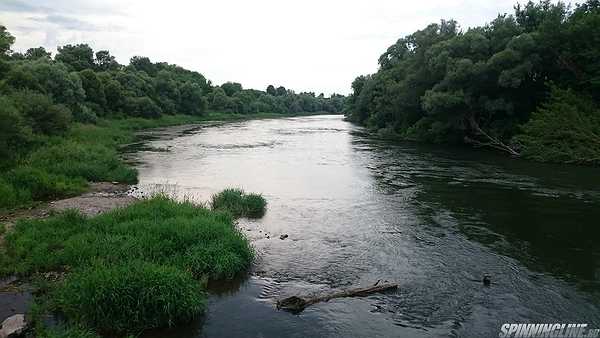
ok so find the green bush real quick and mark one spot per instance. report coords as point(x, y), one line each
point(43, 115)
point(239, 204)
point(130, 297)
point(565, 129)
point(142, 107)
point(15, 135)
point(41, 185)
point(11, 197)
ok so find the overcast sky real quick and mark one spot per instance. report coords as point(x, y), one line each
point(304, 45)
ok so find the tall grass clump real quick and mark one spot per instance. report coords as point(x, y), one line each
point(134, 268)
point(130, 297)
point(158, 230)
point(239, 203)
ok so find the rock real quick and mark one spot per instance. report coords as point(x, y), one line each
point(284, 236)
point(14, 326)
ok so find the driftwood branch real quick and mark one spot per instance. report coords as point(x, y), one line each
point(492, 141)
point(297, 304)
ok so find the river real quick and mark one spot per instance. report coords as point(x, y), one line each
point(358, 210)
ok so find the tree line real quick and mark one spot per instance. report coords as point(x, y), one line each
point(43, 95)
point(527, 84)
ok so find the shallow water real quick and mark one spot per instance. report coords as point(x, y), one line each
point(358, 210)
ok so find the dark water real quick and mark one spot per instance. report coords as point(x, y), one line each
point(358, 210)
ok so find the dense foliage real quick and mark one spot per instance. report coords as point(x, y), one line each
point(479, 86)
point(46, 102)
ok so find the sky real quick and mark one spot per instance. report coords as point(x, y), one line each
point(304, 45)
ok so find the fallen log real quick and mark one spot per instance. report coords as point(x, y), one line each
point(298, 304)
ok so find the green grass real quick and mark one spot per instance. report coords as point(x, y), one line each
point(130, 297)
point(130, 269)
point(159, 230)
point(239, 204)
point(67, 332)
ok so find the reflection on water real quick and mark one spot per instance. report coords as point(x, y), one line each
point(358, 210)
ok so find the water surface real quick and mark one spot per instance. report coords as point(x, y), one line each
point(358, 210)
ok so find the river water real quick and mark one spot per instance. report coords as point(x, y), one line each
point(358, 210)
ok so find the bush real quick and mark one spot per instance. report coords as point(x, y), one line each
point(85, 114)
point(142, 107)
point(11, 197)
point(44, 116)
point(130, 297)
point(565, 129)
point(14, 134)
point(41, 185)
point(239, 204)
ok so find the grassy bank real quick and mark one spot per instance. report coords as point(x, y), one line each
point(130, 269)
point(62, 166)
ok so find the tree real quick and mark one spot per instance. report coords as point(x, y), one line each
point(441, 84)
point(36, 53)
point(143, 64)
point(50, 78)
point(168, 94)
point(219, 100)
point(105, 62)
point(113, 92)
point(231, 88)
point(281, 91)
point(76, 57)
point(94, 90)
point(192, 100)
point(6, 41)
point(271, 90)
point(14, 133)
point(142, 107)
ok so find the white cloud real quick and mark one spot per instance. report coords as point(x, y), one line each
point(310, 45)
